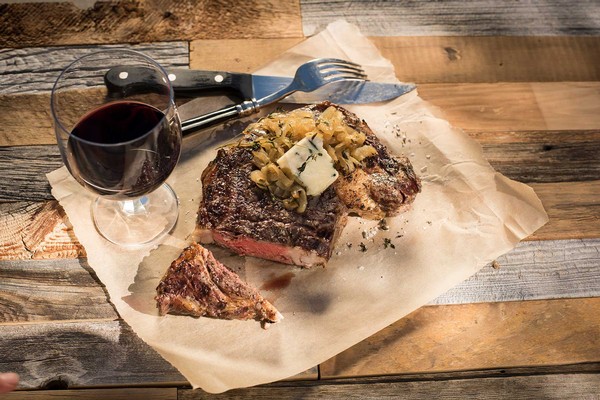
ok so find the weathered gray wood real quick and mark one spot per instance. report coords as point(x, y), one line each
point(456, 17)
point(559, 386)
point(543, 156)
point(51, 290)
point(76, 354)
point(534, 270)
point(35, 69)
point(24, 170)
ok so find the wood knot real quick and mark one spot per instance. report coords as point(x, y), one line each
point(452, 53)
point(58, 383)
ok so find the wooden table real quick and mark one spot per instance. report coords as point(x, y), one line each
point(522, 78)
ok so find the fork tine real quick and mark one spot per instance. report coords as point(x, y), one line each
point(344, 79)
point(337, 61)
point(341, 74)
point(340, 67)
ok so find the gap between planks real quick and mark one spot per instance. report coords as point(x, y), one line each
point(94, 394)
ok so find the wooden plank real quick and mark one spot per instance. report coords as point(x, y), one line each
point(475, 107)
point(461, 59)
point(534, 270)
point(526, 156)
point(456, 17)
point(81, 354)
point(559, 387)
point(94, 394)
point(560, 112)
point(52, 23)
point(243, 55)
point(418, 59)
point(572, 208)
point(543, 156)
point(477, 336)
point(34, 69)
point(35, 291)
point(427, 59)
point(517, 106)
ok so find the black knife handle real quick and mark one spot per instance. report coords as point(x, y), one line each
point(126, 80)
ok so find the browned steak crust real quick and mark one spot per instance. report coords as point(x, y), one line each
point(385, 186)
point(197, 284)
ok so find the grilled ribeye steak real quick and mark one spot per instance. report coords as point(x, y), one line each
point(197, 284)
point(385, 186)
point(237, 214)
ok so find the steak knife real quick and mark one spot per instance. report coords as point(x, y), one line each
point(192, 83)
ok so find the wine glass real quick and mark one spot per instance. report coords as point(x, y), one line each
point(120, 145)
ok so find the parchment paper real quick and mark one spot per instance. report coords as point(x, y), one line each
point(466, 216)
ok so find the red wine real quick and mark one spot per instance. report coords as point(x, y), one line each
point(124, 149)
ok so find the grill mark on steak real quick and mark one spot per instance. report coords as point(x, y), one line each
point(197, 284)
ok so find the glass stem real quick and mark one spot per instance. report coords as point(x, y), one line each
point(135, 206)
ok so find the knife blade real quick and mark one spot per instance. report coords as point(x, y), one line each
point(187, 82)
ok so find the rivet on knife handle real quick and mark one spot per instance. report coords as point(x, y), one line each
point(126, 80)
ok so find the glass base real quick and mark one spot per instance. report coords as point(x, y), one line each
point(137, 222)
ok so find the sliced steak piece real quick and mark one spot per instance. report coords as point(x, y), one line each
point(237, 214)
point(385, 186)
point(197, 284)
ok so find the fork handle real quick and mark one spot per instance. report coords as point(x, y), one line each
point(238, 110)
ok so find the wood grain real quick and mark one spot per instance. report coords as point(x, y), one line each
point(479, 59)
point(36, 230)
point(50, 291)
point(242, 55)
point(34, 69)
point(534, 270)
point(51, 23)
point(24, 169)
point(516, 106)
point(474, 107)
point(477, 336)
point(84, 353)
point(94, 394)
point(559, 387)
point(543, 156)
point(456, 17)
point(572, 208)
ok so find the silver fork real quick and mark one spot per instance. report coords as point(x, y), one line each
point(309, 76)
